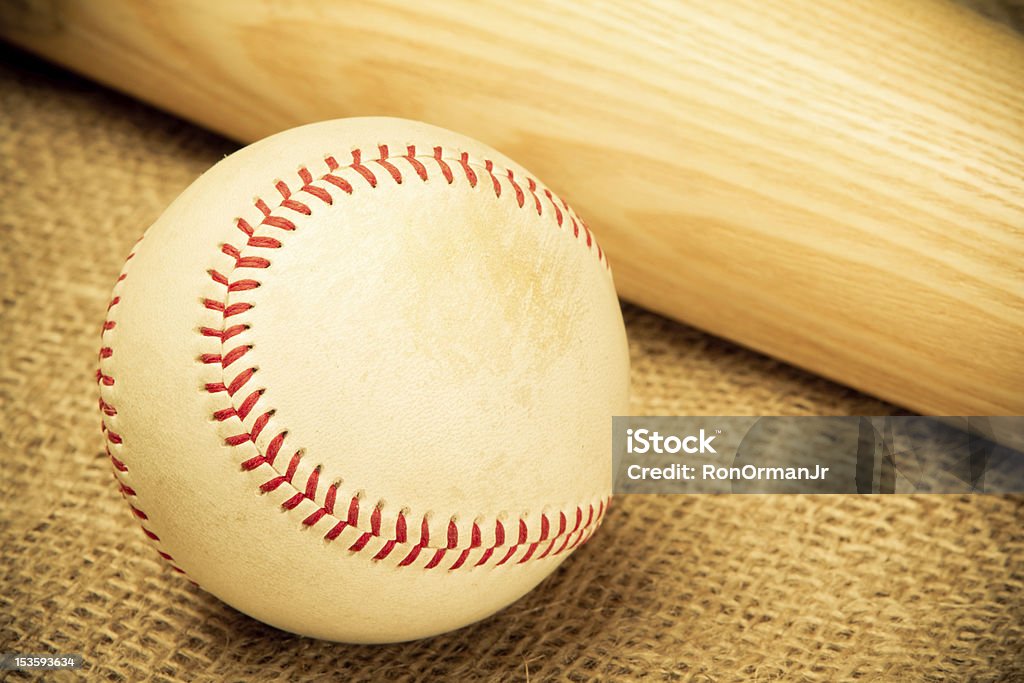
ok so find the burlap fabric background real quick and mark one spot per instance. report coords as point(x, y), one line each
point(672, 588)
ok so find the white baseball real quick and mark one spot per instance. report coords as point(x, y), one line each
point(357, 380)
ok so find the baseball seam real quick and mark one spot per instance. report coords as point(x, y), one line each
point(494, 542)
point(114, 442)
point(573, 526)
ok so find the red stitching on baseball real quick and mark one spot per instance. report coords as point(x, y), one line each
point(554, 205)
point(400, 531)
point(520, 197)
point(548, 551)
point(242, 285)
point(523, 547)
point(436, 560)
point(361, 543)
point(425, 531)
point(453, 535)
point(358, 167)
point(411, 557)
point(508, 556)
point(385, 551)
point(105, 407)
point(446, 170)
point(339, 182)
point(410, 156)
point(314, 517)
point(387, 165)
point(489, 167)
point(353, 511)
point(278, 222)
point(499, 533)
point(258, 426)
point(265, 242)
point(297, 206)
point(529, 553)
point(374, 521)
point(332, 493)
point(470, 175)
point(532, 185)
point(485, 557)
point(461, 561)
point(309, 188)
point(114, 440)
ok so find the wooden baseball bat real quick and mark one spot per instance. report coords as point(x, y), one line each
point(838, 183)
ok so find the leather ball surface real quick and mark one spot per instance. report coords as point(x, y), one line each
point(357, 380)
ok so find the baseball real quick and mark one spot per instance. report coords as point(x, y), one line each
point(357, 381)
